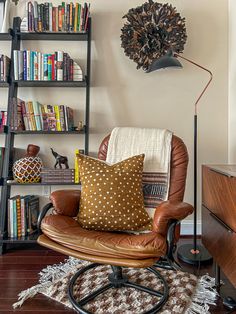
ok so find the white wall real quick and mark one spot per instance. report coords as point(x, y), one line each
point(123, 96)
point(232, 82)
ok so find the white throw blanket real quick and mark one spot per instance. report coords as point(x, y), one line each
point(156, 145)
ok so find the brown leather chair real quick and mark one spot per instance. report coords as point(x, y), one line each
point(62, 233)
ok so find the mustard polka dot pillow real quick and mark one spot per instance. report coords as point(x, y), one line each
point(112, 196)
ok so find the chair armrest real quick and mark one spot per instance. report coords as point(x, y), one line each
point(167, 211)
point(66, 202)
point(42, 214)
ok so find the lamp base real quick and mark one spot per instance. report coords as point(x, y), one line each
point(186, 254)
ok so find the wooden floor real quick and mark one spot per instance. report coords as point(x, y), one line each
point(19, 270)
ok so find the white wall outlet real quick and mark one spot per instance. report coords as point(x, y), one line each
point(46, 190)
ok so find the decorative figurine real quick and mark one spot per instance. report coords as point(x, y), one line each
point(28, 168)
point(60, 160)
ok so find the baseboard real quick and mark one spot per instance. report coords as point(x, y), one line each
point(187, 227)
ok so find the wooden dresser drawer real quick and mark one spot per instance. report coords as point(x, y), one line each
point(219, 195)
point(220, 241)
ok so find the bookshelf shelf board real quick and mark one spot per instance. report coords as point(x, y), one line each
point(5, 37)
point(38, 184)
point(51, 83)
point(49, 132)
point(3, 84)
point(28, 239)
point(83, 36)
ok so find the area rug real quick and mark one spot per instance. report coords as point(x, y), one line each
point(187, 293)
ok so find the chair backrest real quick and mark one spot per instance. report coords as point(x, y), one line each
point(178, 167)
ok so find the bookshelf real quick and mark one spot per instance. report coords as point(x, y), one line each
point(16, 37)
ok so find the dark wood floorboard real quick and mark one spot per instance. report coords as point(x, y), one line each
point(19, 270)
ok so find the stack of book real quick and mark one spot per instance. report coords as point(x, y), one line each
point(1, 160)
point(3, 119)
point(51, 176)
point(37, 66)
point(23, 214)
point(33, 116)
point(45, 17)
point(4, 68)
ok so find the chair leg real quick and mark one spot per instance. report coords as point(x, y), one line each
point(118, 280)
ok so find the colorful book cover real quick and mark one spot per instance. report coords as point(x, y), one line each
point(33, 204)
point(24, 114)
point(19, 116)
point(21, 65)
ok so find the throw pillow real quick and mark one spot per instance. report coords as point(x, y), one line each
point(111, 195)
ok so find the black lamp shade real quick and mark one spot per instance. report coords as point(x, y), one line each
point(166, 61)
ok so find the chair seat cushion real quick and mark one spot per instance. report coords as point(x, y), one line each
point(66, 231)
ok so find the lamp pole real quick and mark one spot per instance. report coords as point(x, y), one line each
point(188, 253)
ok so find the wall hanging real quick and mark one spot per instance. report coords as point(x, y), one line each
point(149, 32)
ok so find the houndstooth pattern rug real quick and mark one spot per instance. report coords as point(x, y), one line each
point(187, 294)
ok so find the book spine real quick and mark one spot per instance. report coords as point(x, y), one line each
point(49, 67)
point(35, 56)
point(53, 67)
point(25, 119)
point(65, 78)
point(21, 65)
point(46, 16)
point(62, 118)
point(58, 122)
point(59, 65)
point(59, 18)
point(35, 16)
point(32, 53)
point(25, 65)
point(45, 68)
point(23, 231)
point(50, 17)
point(28, 65)
point(32, 116)
point(71, 17)
point(54, 19)
point(18, 210)
point(39, 57)
point(11, 218)
point(76, 16)
point(14, 218)
point(40, 26)
point(63, 16)
point(16, 66)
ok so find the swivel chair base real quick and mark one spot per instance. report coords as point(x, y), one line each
point(118, 280)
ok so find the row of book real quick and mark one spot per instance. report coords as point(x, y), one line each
point(4, 68)
point(37, 66)
point(3, 119)
point(33, 116)
point(23, 212)
point(66, 17)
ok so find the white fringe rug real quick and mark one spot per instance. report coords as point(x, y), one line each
point(187, 293)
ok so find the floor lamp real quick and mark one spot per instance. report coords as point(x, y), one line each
point(189, 253)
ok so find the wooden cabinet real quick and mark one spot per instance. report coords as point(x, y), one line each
point(219, 216)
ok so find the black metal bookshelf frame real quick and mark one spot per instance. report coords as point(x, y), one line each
point(16, 37)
